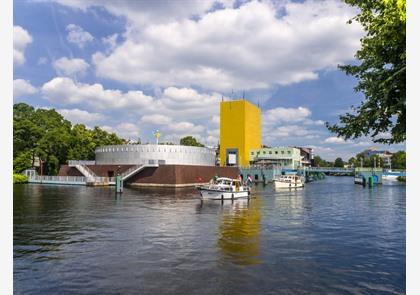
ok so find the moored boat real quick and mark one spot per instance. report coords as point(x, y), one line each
point(224, 188)
point(288, 181)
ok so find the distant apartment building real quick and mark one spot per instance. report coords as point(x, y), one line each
point(307, 156)
point(286, 157)
point(386, 156)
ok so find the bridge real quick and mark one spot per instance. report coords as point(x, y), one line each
point(266, 173)
point(339, 170)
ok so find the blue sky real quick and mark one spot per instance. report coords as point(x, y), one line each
point(132, 67)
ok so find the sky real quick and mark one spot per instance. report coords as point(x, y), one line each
point(133, 67)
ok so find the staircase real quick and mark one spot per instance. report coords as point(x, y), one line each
point(135, 169)
point(81, 166)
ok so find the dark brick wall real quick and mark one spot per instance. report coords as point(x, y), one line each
point(102, 170)
point(164, 174)
point(99, 170)
point(69, 171)
point(182, 174)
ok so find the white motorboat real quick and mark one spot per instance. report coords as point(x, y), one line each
point(224, 188)
point(392, 175)
point(289, 181)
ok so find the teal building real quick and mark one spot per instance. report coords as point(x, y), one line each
point(286, 157)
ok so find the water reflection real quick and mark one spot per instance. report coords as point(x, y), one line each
point(239, 231)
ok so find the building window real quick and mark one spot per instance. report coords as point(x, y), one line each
point(252, 153)
point(282, 152)
point(270, 152)
point(256, 177)
point(276, 152)
point(258, 153)
point(288, 152)
point(264, 152)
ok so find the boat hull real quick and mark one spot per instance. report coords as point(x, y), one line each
point(282, 184)
point(358, 180)
point(208, 194)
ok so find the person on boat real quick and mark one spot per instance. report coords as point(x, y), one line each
point(237, 185)
point(215, 178)
point(249, 180)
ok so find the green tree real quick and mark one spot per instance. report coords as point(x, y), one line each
point(381, 73)
point(190, 141)
point(319, 162)
point(338, 162)
point(398, 160)
point(47, 135)
point(352, 162)
point(22, 161)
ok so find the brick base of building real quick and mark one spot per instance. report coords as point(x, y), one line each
point(162, 176)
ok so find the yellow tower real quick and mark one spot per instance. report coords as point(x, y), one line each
point(240, 131)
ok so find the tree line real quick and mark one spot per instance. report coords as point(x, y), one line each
point(45, 135)
point(398, 161)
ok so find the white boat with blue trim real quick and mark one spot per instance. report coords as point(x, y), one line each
point(224, 189)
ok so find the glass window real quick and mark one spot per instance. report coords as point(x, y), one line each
point(276, 152)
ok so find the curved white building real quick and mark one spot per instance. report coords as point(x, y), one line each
point(152, 153)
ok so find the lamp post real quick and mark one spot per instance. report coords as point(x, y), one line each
point(157, 135)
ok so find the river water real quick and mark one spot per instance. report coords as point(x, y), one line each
point(332, 237)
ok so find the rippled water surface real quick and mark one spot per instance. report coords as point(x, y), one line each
point(332, 237)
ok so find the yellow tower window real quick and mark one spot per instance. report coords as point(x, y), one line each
point(240, 131)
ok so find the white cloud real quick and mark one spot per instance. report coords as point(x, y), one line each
point(110, 41)
point(68, 67)
point(289, 131)
point(21, 38)
point(42, 60)
point(275, 115)
point(185, 128)
point(313, 122)
point(78, 36)
point(128, 130)
point(244, 48)
point(142, 12)
point(156, 119)
point(22, 87)
point(77, 116)
point(125, 130)
point(336, 140)
point(65, 91)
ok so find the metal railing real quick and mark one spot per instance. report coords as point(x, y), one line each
point(61, 179)
point(89, 172)
point(80, 162)
point(71, 179)
point(100, 179)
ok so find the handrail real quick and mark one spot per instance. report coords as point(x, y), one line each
point(81, 162)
